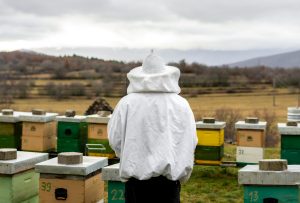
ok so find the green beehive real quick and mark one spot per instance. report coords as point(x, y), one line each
point(209, 152)
point(10, 129)
point(268, 185)
point(290, 142)
point(18, 181)
point(115, 188)
point(71, 133)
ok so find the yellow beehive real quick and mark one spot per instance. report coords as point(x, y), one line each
point(210, 134)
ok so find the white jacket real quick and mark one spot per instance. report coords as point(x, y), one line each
point(153, 129)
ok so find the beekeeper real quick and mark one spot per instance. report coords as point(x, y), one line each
point(153, 132)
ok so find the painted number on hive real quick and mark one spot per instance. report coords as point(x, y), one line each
point(253, 196)
point(117, 194)
point(241, 151)
point(46, 187)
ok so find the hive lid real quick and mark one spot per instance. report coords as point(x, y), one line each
point(216, 125)
point(111, 173)
point(251, 175)
point(89, 165)
point(75, 119)
point(30, 117)
point(261, 125)
point(12, 118)
point(95, 118)
point(288, 130)
point(24, 161)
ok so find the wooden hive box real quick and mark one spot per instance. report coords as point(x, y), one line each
point(18, 180)
point(290, 143)
point(39, 132)
point(249, 134)
point(10, 130)
point(97, 126)
point(71, 183)
point(270, 186)
point(210, 134)
point(71, 133)
point(115, 188)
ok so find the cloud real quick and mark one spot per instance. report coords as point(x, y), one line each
point(176, 24)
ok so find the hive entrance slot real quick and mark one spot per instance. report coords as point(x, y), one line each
point(61, 194)
point(68, 132)
point(270, 200)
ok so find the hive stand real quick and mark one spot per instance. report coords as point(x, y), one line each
point(18, 181)
point(250, 135)
point(69, 178)
point(97, 144)
point(115, 188)
point(10, 129)
point(210, 147)
point(290, 142)
point(270, 183)
point(71, 133)
point(38, 131)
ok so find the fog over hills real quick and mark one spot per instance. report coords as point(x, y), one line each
point(284, 60)
point(207, 57)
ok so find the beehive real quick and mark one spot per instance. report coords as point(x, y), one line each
point(250, 141)
point(210, 147)
point(18, 181)
point(71, 183)
point(97, 144)
point(10, 129)
point(270, 186)
point(38, 132)
point(290, 142)
point(115, 188)
point(71, 133)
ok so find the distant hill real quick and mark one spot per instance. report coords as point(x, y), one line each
point(285, 60)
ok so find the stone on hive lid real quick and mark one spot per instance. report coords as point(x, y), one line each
point(8, 154)
point(89, 165)
point(273, 164)
point(208, 120)
point(7, 112)
point(292, 123)
point(69, 158)
point(38, 112)
point(24, 161)
point(253, 120)
point(70, 113)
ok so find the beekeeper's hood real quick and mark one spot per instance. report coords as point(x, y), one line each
point(154, 76)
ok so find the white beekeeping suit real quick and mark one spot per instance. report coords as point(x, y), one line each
point(153, 129)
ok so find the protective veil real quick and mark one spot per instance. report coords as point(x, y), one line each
point(153, 129)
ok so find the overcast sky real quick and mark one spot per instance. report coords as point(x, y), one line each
point(159, 24)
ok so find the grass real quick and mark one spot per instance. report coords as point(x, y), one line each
point(215, 183)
